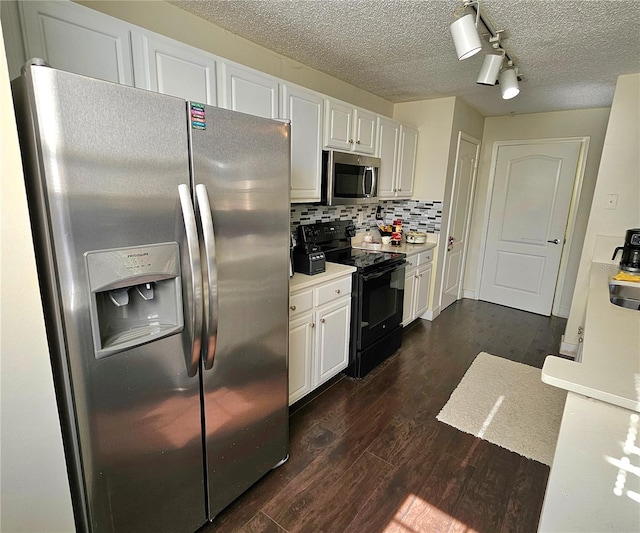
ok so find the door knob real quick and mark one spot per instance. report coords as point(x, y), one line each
point(554, 241)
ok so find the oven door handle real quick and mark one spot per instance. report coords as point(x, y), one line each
point(375, 275)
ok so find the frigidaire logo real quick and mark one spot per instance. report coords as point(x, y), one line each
point(138, 255)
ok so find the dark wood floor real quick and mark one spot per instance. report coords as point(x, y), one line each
point(369, 455)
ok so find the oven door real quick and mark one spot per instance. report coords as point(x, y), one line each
point(382, 296)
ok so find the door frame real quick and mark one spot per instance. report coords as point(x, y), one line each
point(571, 219)
point(462, 136)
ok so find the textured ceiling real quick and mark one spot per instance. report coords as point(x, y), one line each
point(569, 52)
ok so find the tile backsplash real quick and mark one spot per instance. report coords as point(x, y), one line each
point(416, 215)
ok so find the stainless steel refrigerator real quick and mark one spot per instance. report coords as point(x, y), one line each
point(161, 230)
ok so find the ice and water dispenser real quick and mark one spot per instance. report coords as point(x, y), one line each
point(136, 296)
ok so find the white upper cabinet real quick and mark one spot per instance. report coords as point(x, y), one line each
point(78, 39)
point(305, 110)
point(338, 125)
point(407, 161)
point(248, 91)
point(397, 148)
point(349, 128)
point(170, 67)
point(388, 150)
point(365, 124)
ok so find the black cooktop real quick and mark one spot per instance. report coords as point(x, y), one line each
point(363, 259)
point(333, 238)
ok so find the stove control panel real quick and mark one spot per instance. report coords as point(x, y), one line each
point(323, 232)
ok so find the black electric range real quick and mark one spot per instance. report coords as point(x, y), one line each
point(377, 293)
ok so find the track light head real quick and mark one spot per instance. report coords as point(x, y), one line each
point(509, 83)
point(465, 34)
point(490, 69)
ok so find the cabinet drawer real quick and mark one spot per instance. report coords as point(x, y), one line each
point(412, 261)
point(300, 302)
point(334, 290)
point(425, 257)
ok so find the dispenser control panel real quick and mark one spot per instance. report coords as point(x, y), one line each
point(115, 268)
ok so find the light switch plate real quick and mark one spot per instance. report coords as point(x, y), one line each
point(611, 201)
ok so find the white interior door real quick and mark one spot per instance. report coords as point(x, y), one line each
point(530, 204)
point(459, 216)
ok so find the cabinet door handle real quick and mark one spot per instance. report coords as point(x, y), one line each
point(293, 307)
point(322, 320)
point(400, 189)
point(312, 325)
point(350, 141)
point(337, 291)
point(357, 142)
point(416, 276)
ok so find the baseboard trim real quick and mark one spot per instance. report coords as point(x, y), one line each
point(469, 294)
point(431, 314)
point(567, 348)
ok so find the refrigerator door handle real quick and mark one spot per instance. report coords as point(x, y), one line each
point(195, 302)
point(210, 276)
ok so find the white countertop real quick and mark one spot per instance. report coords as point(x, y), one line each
point(610, 366)
point(595, 478)
point(405, 248)
point(332, 271)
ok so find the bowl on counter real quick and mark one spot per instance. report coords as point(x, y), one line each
point(415, 237)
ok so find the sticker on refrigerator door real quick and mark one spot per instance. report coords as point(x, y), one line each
point(198, 119)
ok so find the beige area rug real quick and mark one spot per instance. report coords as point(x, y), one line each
point(507, 404)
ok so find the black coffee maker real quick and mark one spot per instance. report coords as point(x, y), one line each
point(630, 261)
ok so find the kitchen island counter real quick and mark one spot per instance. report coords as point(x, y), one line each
point(594, 483)
point(610, 365)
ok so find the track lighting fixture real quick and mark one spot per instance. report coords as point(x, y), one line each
point(464, 32)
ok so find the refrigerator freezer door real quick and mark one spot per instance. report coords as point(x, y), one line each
point(244, 162)
point(105, 165)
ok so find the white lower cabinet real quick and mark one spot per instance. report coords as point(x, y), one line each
point(301, 336)
point(319, 332)
point(417, 286)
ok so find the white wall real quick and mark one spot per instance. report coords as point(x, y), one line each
point(35, 494)
point(434, 119)
point(619, 173)
point(580, 123)
point(438, 122)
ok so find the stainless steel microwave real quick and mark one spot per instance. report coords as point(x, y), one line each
point(349, 178)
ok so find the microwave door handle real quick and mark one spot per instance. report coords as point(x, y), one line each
point(374, 181)
point(211, 276)
point(364, 181)
point(193, 300)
